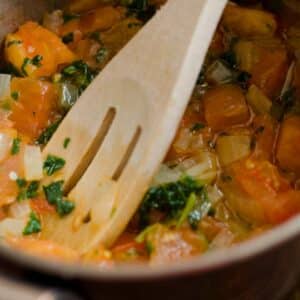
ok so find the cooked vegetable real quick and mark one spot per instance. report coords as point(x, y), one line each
point(258, 101)
point(35, 105)
point(4, 84)
point(232, 148)
point(248, 22)
point(33, 163)
point(53, 164)
point(225, 106)
point(172, 198)
point(232, 170)
point(54, 195)
point(288, 147)
point(33, 225)
point(39, 52)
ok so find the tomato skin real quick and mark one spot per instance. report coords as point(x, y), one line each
point(33, 110)
point(262, 183)
point(41, 206)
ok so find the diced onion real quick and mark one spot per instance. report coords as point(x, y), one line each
point(206, 168)
point(20, 210)
point(223, 239)
point(11, 226)
point(33, 163)
point(5, 145)
point(214, 194)
point(188, 142)
point(233, 148)
point(260, 103)
point(219, 73)
point(4, 84)
point(166, 175)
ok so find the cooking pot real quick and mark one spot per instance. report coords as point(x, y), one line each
point(264, 268)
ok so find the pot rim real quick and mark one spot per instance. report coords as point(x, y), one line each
point(215, 260)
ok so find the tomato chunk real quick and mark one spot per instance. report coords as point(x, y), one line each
point(267, 189)
point(33, 108)
point(288, 145)
point(225, 106)
point(35, 51)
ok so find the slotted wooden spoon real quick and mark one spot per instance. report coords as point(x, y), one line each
point(122, 126)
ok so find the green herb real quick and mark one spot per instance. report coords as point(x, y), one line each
point(32, 189)
point(95, 36)
point(21, 183)
point(36, 61)
point(68, 38)
point(46, 135)
point(140, 9)
point(15, 95)
point(201, 208)
point(29, 191)
point(230, 59)
point(171, 199)
point(53, 164)
point(15, 42)
point(64, 207)
point(54, 192)
point(26, 62)
point(66, 142)
point(67, 17)
point(196, 127)
point(54, 195)
point(33, 225)
point(78, 74)
point(190, 204)
point(15, 149)
point(101, 55)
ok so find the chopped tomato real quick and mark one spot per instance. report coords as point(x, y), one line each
point(36, 51)
point(263, 183)
point(41, 206)
point(225, 106)
point(270, 70)
point(34, 106)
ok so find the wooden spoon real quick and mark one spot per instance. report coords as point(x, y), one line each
point(122, 126)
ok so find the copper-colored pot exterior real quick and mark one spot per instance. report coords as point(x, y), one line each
point(267, 275)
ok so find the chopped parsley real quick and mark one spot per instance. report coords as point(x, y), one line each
point(36, 61)
point(21, 182)
point(15, 95)
point(66, 142)
point(196, 127)
point(79, 74)
point(33, 225)
point(15, 148)
point(14, 42)
point(53, 164)
point(27, 191)
point(174, 201)
point(67, 17)
point(46, 135)
point(68, 38)
point(54, 195)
